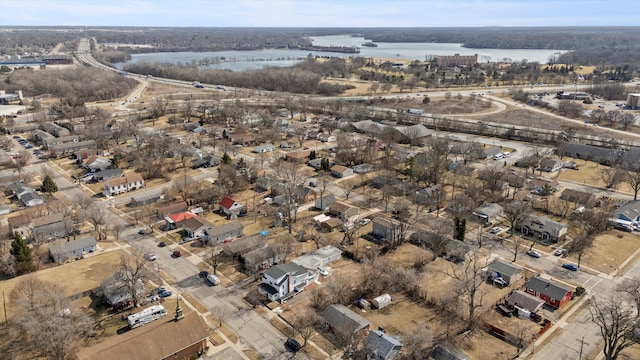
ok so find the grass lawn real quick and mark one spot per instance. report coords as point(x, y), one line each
point(609, 251)
point(76, 277)
point(587, 173)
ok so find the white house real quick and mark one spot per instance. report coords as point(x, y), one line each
point(70, 249)
point(340, 171)
point(228, 206)
point(326, 138)
point(261, 149)
point(281, 282)
point(123, 184)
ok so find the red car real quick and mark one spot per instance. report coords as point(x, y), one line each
point(176, 254)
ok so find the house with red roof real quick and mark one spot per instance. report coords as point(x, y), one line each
point(230, 207)
point(174, 221)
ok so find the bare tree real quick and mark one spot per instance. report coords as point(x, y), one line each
point(215, 251)
point(469, 282)
point(347, 188)
point(46, 316)
point(588, 224)
point(632, 177)
point(304, 324)
point(617, 322)
point(221, 313)
point(631, 288)
point(611, 176)
point(98, 216)
point(417, 342)
point(133, 270)
point(516, 212)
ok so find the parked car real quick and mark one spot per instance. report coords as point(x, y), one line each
point(533, 253)
point(157, 290)
point(162, 244)
point(495, 230)
point(176, 253)
point(165, 294)
point(559, 252)
point(323, 271)
point(365, 221)
point(142, 232)
point(150, 256)
point(203, 274)
point(571, 267)
point(500, 281)
point(292, 344)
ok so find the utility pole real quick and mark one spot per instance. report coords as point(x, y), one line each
point(581, 347)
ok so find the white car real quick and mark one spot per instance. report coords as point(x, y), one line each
point(323, 271)
point(364, 221)
point(495, 230)
point(497, 157)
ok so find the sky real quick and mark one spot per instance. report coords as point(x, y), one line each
point(320, 13)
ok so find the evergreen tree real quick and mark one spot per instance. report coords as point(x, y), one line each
point(459, 228)
point(226, 159)
point(22, 254)
point(241, 164)
point(312, 155)
point(325, 165)
point(48, 185)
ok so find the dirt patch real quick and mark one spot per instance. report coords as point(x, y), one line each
point(481, 346)
point(588, 173)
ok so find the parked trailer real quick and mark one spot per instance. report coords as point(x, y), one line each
point(381, 301)
point(146, 316)
point(415, 111)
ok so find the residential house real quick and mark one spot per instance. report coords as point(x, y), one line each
point(168, 338)
point(552, 293)
point(550, 165)
point(265, 183)
point(344, 211)
point(297, 156)
point(20, 223)
point(362, 168)
point(173, 208)
point(75, 248)
point(239, 247)
point(26, 195)
point(385, 228)
point(464, 170)
point(108, 174)
point(628, 212)
point(261, 149)
point(577, 197)
point(324, 202)
point(281, 282)
point(262, 258)
point(427, 195)
point(176, 220)
point(525, 301)
point(380, 346)
point(500, 269)
point(241, 138)
point(456, 250)
point(197, 227)
point(344, 321)
point(318, 258)
point(123, 184)
point(543, 228)
point(84, 154)
point(331, 224)
point(543, 186)
point(96, 163)
point(447, 352)
point(315, 163)
point(230, 207)
point(223, 232)
point(50, 227)
point(55, 129)
point(304, 194)
point(488, 214)
point(340, 171)
point(71, 147)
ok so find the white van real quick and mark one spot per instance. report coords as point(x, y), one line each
point(213, 279)
point(506, 154)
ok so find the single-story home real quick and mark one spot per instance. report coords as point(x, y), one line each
point(176, 220)
point(96, 163)
point(108, 174)
point(224, 232)
point(146, 199)
point(262, 258)
point(628, 212)
point(331, 224)
point(324, 202)
point(525, 301)
point(318, 258)
point(489, 213)
point(550, 165)
point(577, 197)
point(239, 247)
point(543, 228)
point(66, 250)
point(173, 208)
point(261, 149)
point(362, 168)
point(342, 210)
point(20, 223)
point(197, 227)
point(380, 346)
point(500, 269)
point(340, 319)
point(297, 156)
point(340, 171)
point(552, 293)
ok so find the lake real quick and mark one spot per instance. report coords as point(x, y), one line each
point(257, 59)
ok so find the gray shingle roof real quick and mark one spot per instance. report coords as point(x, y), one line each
point(631, 210)
point(383, 345)
point(504, 267)
point(341, 319)
point(546, 287)
point(525, 301)
point(278, 271)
